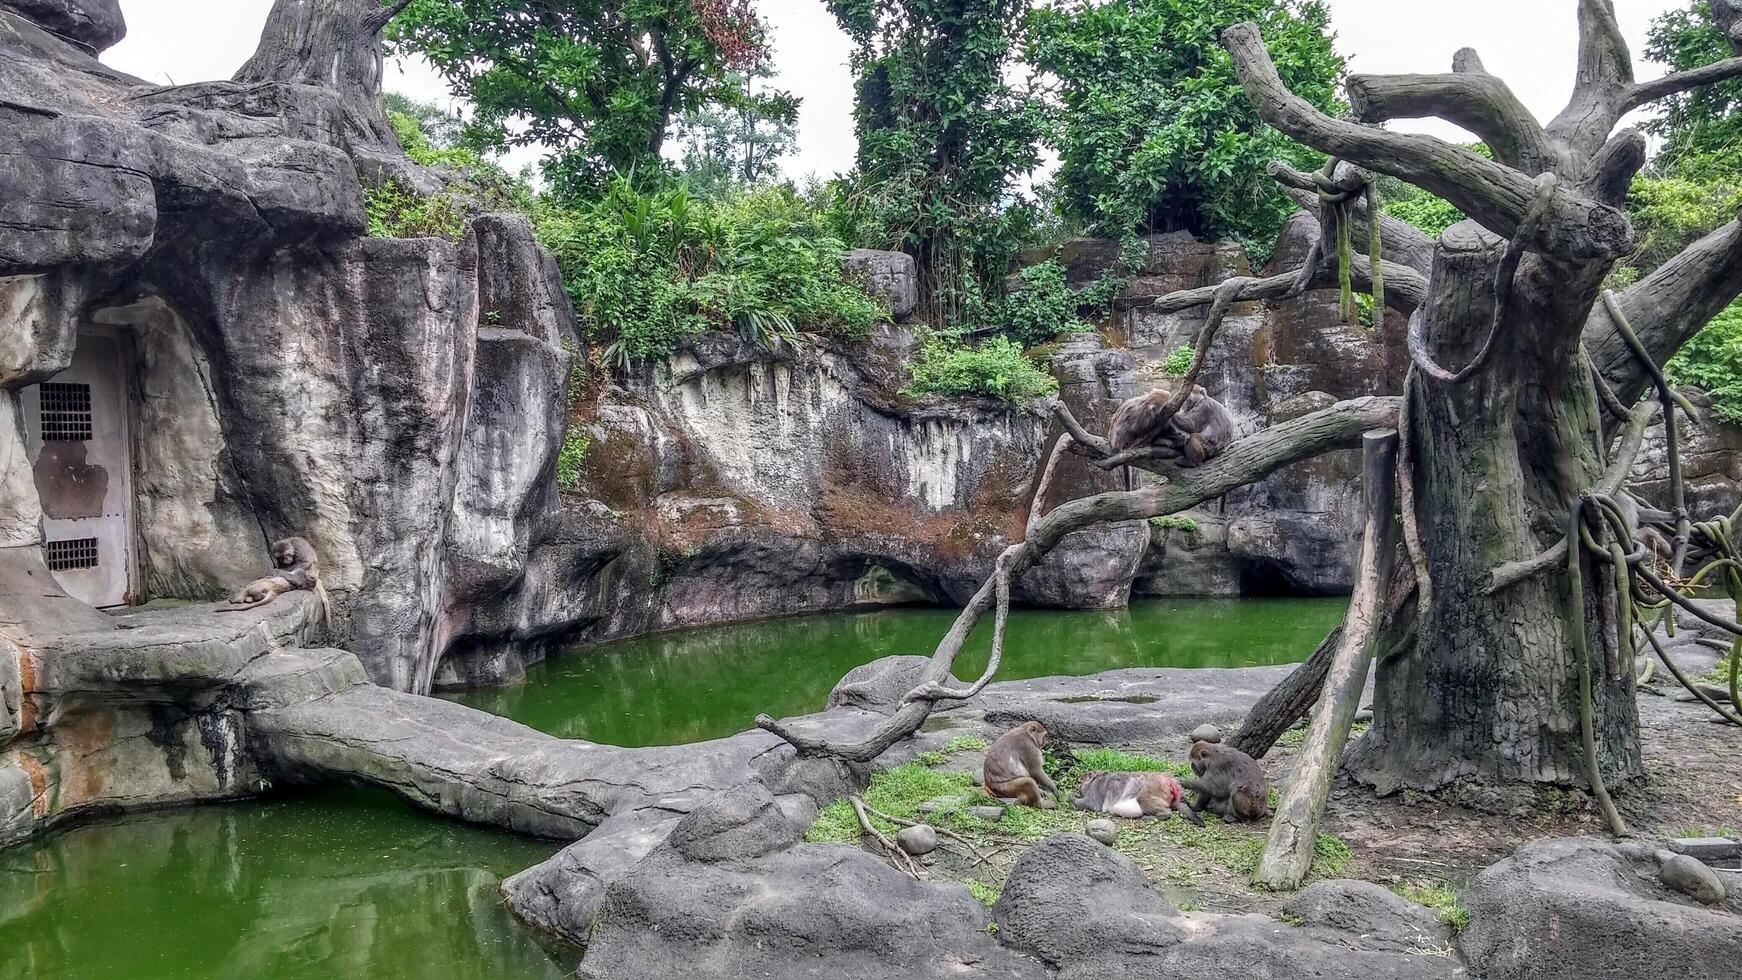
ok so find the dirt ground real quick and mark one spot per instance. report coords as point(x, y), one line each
point(1412, 842)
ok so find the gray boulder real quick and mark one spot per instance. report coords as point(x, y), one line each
point(1687, 875)
point(94, 24)
point(917, 840)
point(1579, 909)
point(887, 276)
point(1379, 918)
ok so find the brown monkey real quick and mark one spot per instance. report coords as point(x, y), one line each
point(1229, 782)
point(1640, 518)
point(1134, 795)
point(294, 567)
point(1014, 768)
point(1198, 432)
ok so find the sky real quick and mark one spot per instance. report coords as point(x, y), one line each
point(1529, 43)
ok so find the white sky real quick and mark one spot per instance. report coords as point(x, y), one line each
point(1529, 43)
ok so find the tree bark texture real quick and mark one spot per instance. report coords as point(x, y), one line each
point(334, 44)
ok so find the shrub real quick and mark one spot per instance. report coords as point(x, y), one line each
point(1179, 361)
point(997, 368)
point(569, 459)
point(1041, 306)
point(397, 211)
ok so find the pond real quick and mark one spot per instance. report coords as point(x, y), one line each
point(355, 884)
point(709, 683)
point(341, 883)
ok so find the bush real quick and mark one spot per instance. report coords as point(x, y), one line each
point(397, 211)
point(1712, 360)
point(1041, 306)
point(1179, 361)
point(997, 368)
point(648, 267)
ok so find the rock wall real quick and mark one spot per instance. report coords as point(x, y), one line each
point(396, 401)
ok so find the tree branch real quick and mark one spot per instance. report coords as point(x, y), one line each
point(374, 22)
point(1246, 461)
point(1472, 99)
point(1680, 81)
point(1493, 194)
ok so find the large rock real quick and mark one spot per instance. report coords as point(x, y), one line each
point(1579, 908)
point(888, 276)
point(95, 24)
point(1383, 919)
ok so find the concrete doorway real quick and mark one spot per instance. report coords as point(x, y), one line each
point(76, 431)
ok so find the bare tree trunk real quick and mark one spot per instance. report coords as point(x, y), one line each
point(1288, 702)
point(1288, 853)
point(334, 44)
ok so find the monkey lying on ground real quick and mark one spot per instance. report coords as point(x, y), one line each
point(1014, 767)
point(294, 566)
point(1199, 431)
point(1134, 795)
point(1230, 782)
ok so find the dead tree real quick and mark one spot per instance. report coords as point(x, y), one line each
point(334, 44)
point(1503, 428)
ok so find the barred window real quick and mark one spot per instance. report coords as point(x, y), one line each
point(66, 412)
point(73, 553)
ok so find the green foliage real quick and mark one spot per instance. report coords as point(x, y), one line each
point(1155, 132)
point(647, 268)
point(1041, 307)
point(397, 211)
point(1425, 210)
point(1175, 522)
point(569, 459)
point(942, 135)
point(898, 792)
point(1701, 129)
point(996, 368)
point(598, 82)
point(986, 895)
point(1442, 898)
point(965, 743)
point(1179, 361)
point(737, 144)
point(1671, 213)
point(1712, 360)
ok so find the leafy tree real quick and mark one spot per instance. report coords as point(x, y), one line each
point(942, 134)
point(740, 142)
point(1154, 132)
point(597, 80)
point(996, 368)
point(1701, 129)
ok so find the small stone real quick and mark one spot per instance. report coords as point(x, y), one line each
point(1103, 831)
point(1363, 715)
point(990, 814)
point(978, 776)
point(1688, 876)
point(1206, 733)
point(917, 840)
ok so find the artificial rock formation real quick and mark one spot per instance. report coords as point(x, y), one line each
point(392, 400)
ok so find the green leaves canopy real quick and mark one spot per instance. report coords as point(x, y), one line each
point(1154, 131)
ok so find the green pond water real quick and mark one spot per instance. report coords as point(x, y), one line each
point(353, 884)
point(700, 684)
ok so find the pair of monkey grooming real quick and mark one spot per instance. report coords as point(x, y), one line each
point(1198, 432)
point(294, 566)
point(1229, 782)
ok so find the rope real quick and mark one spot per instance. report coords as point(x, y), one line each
point(1582, 652)
point(1671, 400)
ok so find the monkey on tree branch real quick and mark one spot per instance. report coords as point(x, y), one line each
point(1520, 382)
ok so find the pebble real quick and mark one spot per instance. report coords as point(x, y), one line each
point(990, 814)
point(1103, 831)
point(917, 840)
point(1692, 878)
point(1206, 733)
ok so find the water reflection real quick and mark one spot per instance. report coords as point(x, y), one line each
point(684, 687)
point(343, 884)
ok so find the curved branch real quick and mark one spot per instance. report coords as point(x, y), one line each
point(1681, 81)
point(1473, 100)
point(1493, 194)
point(1251, 459)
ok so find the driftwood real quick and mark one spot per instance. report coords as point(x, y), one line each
point(1289, 851)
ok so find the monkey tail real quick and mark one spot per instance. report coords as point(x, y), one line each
point(1186, 810)
point(326, 604)
point(235, 606)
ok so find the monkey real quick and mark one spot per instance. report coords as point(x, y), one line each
point(1198, 432)
point(1134, 795)
point(1640, 518)
point(1230, 783)
point(294, 566)
point(1014, 768)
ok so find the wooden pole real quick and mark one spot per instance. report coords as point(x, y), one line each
point(1289, 851)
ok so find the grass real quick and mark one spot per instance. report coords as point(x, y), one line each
point(1297, 736)
point(1175, 522)
point(1730, 832)
point(1720, 672)
point(1440, 897)
point(1234, 848)
point(983, 893)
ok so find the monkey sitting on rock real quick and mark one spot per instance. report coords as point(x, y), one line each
point(1198, 432)
point(1134, 795)
point(294, 566)
point(1230, 782)
point(1015, 770)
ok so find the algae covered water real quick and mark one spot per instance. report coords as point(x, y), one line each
point(709, 683)
point(347, 883)
point(356, 884)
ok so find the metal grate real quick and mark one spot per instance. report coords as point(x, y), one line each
point(66, 413)
point(74, 553)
